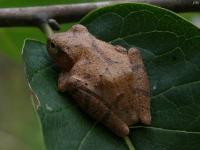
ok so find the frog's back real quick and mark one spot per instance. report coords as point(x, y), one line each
point(117, 93)
point(116, 83)
point(110, 75)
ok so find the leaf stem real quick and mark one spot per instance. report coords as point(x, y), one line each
point(45, 27)
point(129, 143)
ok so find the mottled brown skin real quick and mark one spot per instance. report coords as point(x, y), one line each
point(108, 82)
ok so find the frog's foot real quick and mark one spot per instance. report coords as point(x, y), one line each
point(145, 117)
point(121, 49)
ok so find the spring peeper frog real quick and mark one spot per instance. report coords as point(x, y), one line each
point(106, 81)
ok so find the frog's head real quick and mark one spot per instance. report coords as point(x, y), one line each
point(67, 47)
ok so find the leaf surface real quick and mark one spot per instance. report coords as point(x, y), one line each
point(171, 51)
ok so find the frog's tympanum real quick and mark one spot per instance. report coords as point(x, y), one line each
point(108, 82)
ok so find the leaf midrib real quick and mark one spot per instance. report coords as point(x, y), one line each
point(165, 130)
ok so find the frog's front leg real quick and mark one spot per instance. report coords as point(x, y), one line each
point(63, 81)
point(93, 105)
point(141, 87)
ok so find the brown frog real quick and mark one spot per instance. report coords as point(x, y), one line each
point(106, 81)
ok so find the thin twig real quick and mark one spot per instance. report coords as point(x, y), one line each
point(28, 16)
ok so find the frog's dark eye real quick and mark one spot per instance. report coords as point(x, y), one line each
point(52, 45)
point(52, 48)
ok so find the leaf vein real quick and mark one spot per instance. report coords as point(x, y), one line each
point(173, 87)
point(86, 136)
point(166, 130)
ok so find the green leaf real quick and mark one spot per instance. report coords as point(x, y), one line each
point(171, 52)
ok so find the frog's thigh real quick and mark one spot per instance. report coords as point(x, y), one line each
point(141, 86)
point(93, 105)
point(63, 81)
point(116, 99)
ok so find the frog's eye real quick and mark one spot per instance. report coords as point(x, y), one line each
point(52, 48)
point(52, 45)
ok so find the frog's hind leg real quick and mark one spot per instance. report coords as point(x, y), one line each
point(94, 106)
point(141, 88)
